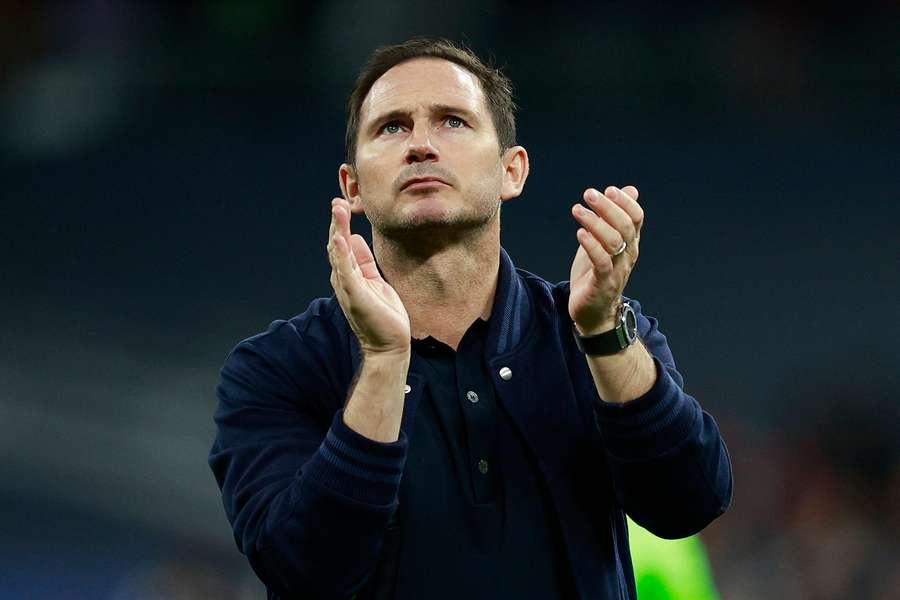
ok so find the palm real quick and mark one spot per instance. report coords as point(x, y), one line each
point(372, 307)
point(377, 316)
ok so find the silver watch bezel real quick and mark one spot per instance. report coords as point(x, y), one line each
point(627, 333)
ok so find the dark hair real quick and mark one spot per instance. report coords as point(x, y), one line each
point(496, 86)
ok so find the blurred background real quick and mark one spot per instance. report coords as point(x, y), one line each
point(165, 177)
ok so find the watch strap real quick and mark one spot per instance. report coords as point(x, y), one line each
point(601, 344)
point(608, 342)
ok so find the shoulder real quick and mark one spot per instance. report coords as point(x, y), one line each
point(308, 349)
point(318, 325)
point(538, 285)
point(546, 295)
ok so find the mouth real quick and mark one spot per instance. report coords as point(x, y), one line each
point(422, 183)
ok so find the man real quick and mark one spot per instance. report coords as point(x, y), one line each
point(447, 426)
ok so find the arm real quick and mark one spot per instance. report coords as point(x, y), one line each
point(625, 376)
point(309, 503)
point(670, 468)
point(308, 500)
point(375, 407)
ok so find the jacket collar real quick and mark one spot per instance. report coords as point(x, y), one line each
point(511, 311)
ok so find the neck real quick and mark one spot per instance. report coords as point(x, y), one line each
point(445, 284)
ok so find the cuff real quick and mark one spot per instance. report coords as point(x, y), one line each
point(650, 425)
point(357, 467)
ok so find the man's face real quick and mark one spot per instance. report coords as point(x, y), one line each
point(426, 118)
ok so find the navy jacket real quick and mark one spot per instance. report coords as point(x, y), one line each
point(313, 504)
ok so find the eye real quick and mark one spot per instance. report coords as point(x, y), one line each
point(391, 127)
point(455, 122)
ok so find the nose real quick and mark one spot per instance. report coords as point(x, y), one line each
point(420, 147)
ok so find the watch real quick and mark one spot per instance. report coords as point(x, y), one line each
point(614, 340)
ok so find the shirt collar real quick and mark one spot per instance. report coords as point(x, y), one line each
point(510, 312)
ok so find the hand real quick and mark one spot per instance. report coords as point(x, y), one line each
point(598, 278)
point(372, 307)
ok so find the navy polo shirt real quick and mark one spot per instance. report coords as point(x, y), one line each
point(472, 494)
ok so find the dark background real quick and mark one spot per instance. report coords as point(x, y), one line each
point(166, 173)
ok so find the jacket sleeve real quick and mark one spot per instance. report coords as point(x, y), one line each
point(670, 467)
point(308, 501)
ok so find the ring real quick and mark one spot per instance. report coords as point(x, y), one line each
point(621, 248)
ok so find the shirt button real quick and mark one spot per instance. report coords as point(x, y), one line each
point(471, 396)
point(407, 389)
point(505, 373)
point(483, 466)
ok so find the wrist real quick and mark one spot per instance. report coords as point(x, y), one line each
point(388, 369)
point(386, 357)
point(608, 338)
point(602, 327)
point(608, 321)
point(375, 406)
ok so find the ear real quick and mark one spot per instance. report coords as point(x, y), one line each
point(350, 187)
point(515, 172)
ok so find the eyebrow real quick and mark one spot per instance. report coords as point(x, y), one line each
point(433, 108)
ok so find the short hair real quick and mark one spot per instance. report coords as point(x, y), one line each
point(497, 88)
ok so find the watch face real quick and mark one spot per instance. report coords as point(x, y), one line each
point(630, 323)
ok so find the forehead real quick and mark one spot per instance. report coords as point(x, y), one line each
point(421, 82)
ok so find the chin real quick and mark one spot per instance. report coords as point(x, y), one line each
point(427, 220)
point(433, 213)
point(428, 209)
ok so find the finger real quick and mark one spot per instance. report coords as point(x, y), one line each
point(631, 191)
point(626, 199)
point(348, 281)
point(334, 261)
point(364, 257)
point(606, 234)
point(611, 212)
point(339, 254)
point(342, 225)
point(330, 246)
point(333, 234)
point(331, 225)
point(600, 258)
